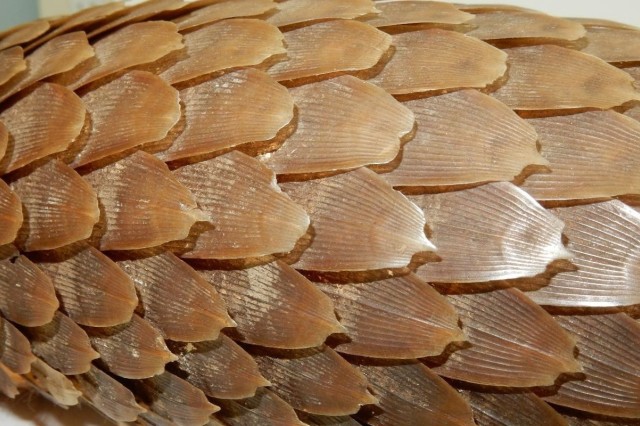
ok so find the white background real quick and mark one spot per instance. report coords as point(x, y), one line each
point(29, 410)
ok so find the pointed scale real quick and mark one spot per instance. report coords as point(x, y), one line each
point(522, 26)
point(550, 77)
point(265, 409)
point(63, 345)
point(315, 380)
point(224, 10)
point(108, 396)
point(492, 232)
point(231, 43)
point(294, 12)
point(514, 342)
point(11, 63)
point(436, 60)
point(512, 409)
point(8, 384)
point(23, 33)
point(251, 216)
point(450, 149)
point(93, 290)
point(11, 215)
point(132, 110)
point(52, 384)
point(592, 155)
point(608, 351)
point(165, 215)
point(358, 223)
point(44, 122)
point(615, 45)
point(329, 48)
point(27, 296)
point(136, 44)
point(175, 400)
point(399, 318)
point(59, 55)
point(15, 350)
point(221, 368)
point(275, 306)
point(60, 208)
point(237, 108)
point(176, 299)
point(137, 12)
point(135, 350)
point(604, 239)
point(343, 123)
point(411, 394)
point(406, 12)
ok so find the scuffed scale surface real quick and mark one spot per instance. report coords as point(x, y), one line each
point(258, 212)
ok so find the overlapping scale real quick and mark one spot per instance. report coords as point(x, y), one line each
point(293, 12)
point(330, 48)
point(227, 44)
point(10, 214)
point(59, 55)
point(309, 380)
point(23, 33)
point(135, 350)
point(251, 217)
point(176, 299)
point(8, 386)
point(592, 155)
point(549, 77)
point(237, 108)
point(358, 223)
point(342, 123)
point(265, 408)
point(449, 148)
point(492, 232)
point(224, 10)
point(11, 63)
point(607, 346)
point(407, 12)
point(136, 44)
point(63, 345)
point(166, 215)
point(60, 208)
point(275, 306)
point(514, 342)
point(411, 394)
point(92, 289)
point(398, 318)
point(436, 60)
point(15, 349)
point(130, 111)
point(44, 122)
point(615, 45)
point(139, 12)
point(52, 384)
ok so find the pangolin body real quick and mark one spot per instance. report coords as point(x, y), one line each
point(336, 212)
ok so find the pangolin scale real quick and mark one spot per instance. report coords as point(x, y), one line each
point(336, 212)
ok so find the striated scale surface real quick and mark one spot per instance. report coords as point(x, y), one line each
point(8, 385)
point(499, 150)
point(397, 318)
point(411, 394)
point(63, 345)
point(607, 346)
point(293, 12)
point(125, 223)
point(135, 350)
point(60, 208)
point(44, 122)
point(176, 299)
point(615, 45)
point(437, 60)
point(15, 350)
point(139, 12)
point(514, 342)
point(23, 33)
point(237, 108)
point(27, 296)
point(407, 12)
point(550, 77)
point(358, 223)
point(264, 408)
point(11, 63)
point(591, 155)
point(343, 123)
point(330, 48)
point(309, 379)
point(92, 289)
point(224, 10)
point(251, 217)
point(10, 214)
point(130, 111)
point(275, 306)
point(493, 232)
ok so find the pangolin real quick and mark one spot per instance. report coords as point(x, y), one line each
point(335, 212)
